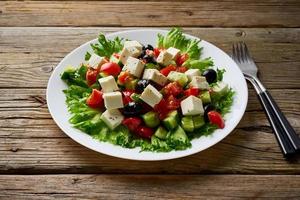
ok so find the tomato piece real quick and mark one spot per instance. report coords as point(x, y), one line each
point(91, 76)
point(182, 69)
point(181, 59)
point(173, 89)
point(124, 77)
point(132, 123)
point(111, 68)
point(95, 100)
point(165, 71)
point(173, 103)
point(144, 132)
point(161, 109)
point(156, 52)
point(216, 118)
point(126, 96)
point(192, 92)
point(116, 55)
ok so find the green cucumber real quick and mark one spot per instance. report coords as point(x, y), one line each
point(135, 97)
point(181, 78)
point(198, 121)
point(68, 73)
point(187, 123)
point(130, 85)
point(161, 133)
point(178, 135)
point(151, 119)
point(151, 66)
point(171, 121)
point(205, 97)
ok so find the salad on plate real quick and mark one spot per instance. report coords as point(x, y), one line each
point(158, 98)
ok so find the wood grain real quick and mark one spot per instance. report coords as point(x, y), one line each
point(149, 187)
point(148, 13)
point(40, 50)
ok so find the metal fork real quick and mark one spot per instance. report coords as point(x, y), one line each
point(284, 132)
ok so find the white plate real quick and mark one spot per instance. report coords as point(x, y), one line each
point(58, 109)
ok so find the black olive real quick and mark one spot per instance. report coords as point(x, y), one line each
point(142, 54)
point(210, 75)
point(132, 109)
point(141, 85)
point(150, 47)
point(207, 109)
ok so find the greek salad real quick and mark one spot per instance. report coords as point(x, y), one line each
point(157, 98)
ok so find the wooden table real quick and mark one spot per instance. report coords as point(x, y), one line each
point(38, 161)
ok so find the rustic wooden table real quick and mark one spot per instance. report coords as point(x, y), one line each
point(38, 161)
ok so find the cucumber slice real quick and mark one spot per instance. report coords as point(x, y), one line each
point(161, 133)
point(205, 97)
point(68, 73)
point(179, 135)
point(151, 66)
point(130, 85)
point(187, 123)
point(198, 121)
point(171, 121)
point(151, 119)
point(135, 97)
point(181, 78)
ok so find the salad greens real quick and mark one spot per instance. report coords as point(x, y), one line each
point(89, 120)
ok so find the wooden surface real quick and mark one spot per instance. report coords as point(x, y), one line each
point(38, 161)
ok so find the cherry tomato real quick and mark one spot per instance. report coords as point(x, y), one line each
point(172, 89)
point(181, 59)
point(111, 68)
point(173, 103)
point(132, 123)
point(161, 109)
point(216, 118)
point(182, 69)
point(165, 71)
point(156, 52)
point(191, 92)
point(91, 76)
point(124, 77)
point(126, 96)
point(145, 132)
point(95, 100)
point(116, 55)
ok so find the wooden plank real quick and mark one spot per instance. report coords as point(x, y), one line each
point(33, 58)
point(149, 187)
point(148, 13)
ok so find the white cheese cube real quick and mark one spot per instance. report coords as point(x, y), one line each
point(108, 84)
point(113, 100)
point(164, 58)
point(151, 96)
point(192, 72)
point(134, 66)
point(191, 106)
point(155, 76)
point(199, 82)
point(96, 61)
point(127, 52)
point(112, 118)
point(133, 43)
point(173, 51)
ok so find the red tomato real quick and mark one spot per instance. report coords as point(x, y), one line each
point(165, 71)
point(173, 103)
point(132, 123)
point(124, 77)
point(216, 118)
point(161, 109)
point(181, 59)
point(95, 100)
point(191, 91)
point(182, 69)
point(91, 76)
point(156, 52)
point(126, 96)
point(172, 89)
point(111, 68)
point(116, 55)
point(145, 132)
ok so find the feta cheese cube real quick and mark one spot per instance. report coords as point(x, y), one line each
point(151, 96)
point(155, 76)
point(199, 82)
point(108, 84)
point(191, 106)
point(134, 66)
point(96, 61)
point(112, 118)
point(173, 51)
point(127, 52)
point(133, 43)
point(164, 58)
point(113, 100)
point(192, 72)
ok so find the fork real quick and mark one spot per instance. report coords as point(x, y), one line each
point(286, 136)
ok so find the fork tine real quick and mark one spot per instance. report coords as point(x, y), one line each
point(242, 50)
point(235, 52)
point(247, 53)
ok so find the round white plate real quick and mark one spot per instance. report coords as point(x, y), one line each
point(58, 109)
